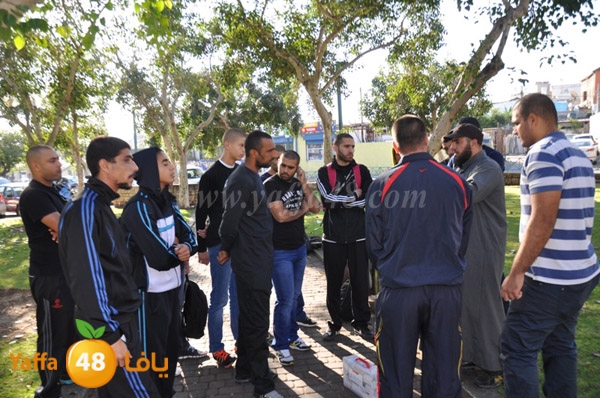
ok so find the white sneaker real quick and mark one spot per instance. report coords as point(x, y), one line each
point(300, 345)
point(285, 358)
point(270, 394)
point(178, 370)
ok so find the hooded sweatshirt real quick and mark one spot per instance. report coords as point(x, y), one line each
point(151, 221)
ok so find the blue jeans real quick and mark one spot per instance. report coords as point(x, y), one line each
point(543, 319)
point(300, 314)
point(223, 290)
point(288, 273)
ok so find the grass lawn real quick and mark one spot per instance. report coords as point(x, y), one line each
point(14, 263)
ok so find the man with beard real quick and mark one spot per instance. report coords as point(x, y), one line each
point(246, 236)
point(97, 266)
point(343, 184)
point(491, 152)
point(289, 199)
point(279, 149)
point(41, 205)
point(482, 314)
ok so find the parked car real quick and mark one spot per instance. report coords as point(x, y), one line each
point(2, 207)
point(578, 137)
point(193, 174)
point(12, 193)
point(589, 148)
point(4, 180)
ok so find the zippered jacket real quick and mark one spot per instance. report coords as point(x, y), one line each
point(152, 221)
point(418, 220)
point(344, 219)
point(96, 261)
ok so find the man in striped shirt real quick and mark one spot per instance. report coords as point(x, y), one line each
point(555, 269)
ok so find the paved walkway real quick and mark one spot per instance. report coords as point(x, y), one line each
point(315, 373)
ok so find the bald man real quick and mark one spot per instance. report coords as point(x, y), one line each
point(41, 204)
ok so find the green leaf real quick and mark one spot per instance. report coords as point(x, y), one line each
point(63, 31)
point(169, 4)
point(99, 332)
point(5, 33)
point(85, 329)
point(19, 42)
point(160, 6)
point(88, 40)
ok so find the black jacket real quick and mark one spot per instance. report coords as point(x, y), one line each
point(96, 261)
point(151, 221)
point(247, 229)
point(210, 202)
point(344, 219)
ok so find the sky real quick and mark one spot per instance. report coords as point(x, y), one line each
point(461, 35)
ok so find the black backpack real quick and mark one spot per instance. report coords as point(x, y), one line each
point(195, 310)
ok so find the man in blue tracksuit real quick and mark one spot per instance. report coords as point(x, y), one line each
point(420, 268)
point(97, 266)
point(160, 241)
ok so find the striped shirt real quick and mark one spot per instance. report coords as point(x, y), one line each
point(554, 163)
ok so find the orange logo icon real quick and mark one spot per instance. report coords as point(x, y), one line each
point(91, 363)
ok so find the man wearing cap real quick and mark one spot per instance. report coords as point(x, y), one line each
point(447, 147)
point(482, 315)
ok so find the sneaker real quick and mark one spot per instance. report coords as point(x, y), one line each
point(492, 380)
point(364, 331)
point(242, 380)
point(190, 352)
point(270, 394)
point(178, 370)
point(307, 323)
point(224, 360)
point(285, 357)
point(299, 345)
point(330, 334)
point(466, 365)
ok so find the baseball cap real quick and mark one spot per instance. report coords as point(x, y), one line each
point(465, 130)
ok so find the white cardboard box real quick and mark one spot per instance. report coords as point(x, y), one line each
point(360, 376)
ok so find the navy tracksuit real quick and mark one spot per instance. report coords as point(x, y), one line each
point(417, 222)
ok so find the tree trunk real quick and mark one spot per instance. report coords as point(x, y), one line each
point(76, 153)
point(326, 120)
point(183, 197)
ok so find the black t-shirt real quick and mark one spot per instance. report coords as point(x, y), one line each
point(36, 202)
point(287, 235)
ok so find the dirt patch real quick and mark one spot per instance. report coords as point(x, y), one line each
point(17, 313)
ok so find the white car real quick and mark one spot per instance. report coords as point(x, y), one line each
point(589, 148)
point(193, 174)
point(578, 137)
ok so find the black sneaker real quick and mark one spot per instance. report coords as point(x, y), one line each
point(364, 331)
point(466, 365)
point(224, 360)
point(248, 379)
point(492, 380)
point(241, 379)
point(307, 323)
point(331, 332)
point(191, 352)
